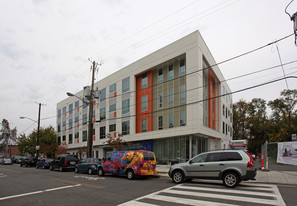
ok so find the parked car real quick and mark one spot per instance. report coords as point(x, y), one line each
point(129, 163)
point(5, 161)
point(15, 158)
point(231, 166)
point(29, 162)
point(44, 163)
point(89, 165)
point(64, 161)
point(19, 160)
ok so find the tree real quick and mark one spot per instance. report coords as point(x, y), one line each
point(47, 142)
point(240, 120)
point(116, 142)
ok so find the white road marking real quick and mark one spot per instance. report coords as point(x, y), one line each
point(258, 191)
point(37, 192)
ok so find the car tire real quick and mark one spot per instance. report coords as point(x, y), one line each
point(231, 179)
point(100, 171)
point(130, 175)
point(178, 177)
point(27, 165)
point(76, 170)
point(61, 169)
point(43, 167)
point(37, 167)
point(90, 171)
point(51, 167)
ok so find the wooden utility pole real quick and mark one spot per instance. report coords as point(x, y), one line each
point(91, 103)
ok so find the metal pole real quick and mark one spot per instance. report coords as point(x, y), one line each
point(91, 102)
point(37, 139)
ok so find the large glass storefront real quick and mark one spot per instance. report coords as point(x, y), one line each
point(179, 149)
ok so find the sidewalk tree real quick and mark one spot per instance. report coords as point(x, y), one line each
point(116, 142)
point(47, 142)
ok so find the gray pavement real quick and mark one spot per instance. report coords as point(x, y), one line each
point(276, 174)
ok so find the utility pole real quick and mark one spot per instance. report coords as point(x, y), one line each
point(37, 139)
point(91, 103)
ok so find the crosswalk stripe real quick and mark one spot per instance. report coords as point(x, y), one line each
point(226, 191)
point(136, 203)
point(186, 201)
point(226, 197)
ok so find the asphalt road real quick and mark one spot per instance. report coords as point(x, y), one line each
point(31, 186)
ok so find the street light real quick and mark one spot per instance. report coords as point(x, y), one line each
point(38, 128)
point(89, 96)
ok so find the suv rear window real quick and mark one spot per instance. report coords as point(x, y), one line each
point(71, 157)
point(231, 156)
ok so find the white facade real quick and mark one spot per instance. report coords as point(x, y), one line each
point(191, 49)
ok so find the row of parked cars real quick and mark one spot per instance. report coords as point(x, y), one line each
point(230, 166)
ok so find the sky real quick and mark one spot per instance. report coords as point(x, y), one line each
point(46, 46)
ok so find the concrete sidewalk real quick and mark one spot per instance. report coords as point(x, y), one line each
point(268, 177)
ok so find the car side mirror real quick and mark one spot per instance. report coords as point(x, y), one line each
point(190, 162)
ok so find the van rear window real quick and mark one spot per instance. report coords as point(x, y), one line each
point(148, 156)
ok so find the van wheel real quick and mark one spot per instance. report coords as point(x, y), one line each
point(90, 171)
point(76, 170)
point(51, 167)
point(100, 172)
point(130, 175)
point(61, 169)
point(230, 179)
point(178, 177)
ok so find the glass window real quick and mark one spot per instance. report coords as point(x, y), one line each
point(182, 117)
point(94, 114)
point(223, 127)
point(84, 119)
point(182, 68)
point(125, 106)
point(70, 108)
point(144, 125)
point(59, 127)
point(144, 81)
point(70, 123)
point(76, 119)
point(170, 120)
point(85, 104)
point(160, 122)
point(160, 99)
point(126, 85)
point(144, 103)
point(102, 95)
point(64, 110)
point(170, 72)
point(70, 139)
point(64, 124)
point(76, 104)
point(64, 138)
point(113, 87)
point(85, 136)
point(112, 128)
point(231, 156)
point(102, 113)
point(182, 93)
point(76, 135)
point(112, 107)
point(160, 76)
point(199, 158)
point(59, 113)
point(213, 157)
point(126, 127)
point(102, 133)
point(170, 96)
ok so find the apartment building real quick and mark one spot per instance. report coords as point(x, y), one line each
point(173, 102)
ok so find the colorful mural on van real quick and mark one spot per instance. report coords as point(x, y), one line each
point(141, 162)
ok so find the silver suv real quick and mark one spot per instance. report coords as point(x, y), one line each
point(231, 166)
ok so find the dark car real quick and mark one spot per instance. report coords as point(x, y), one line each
point(63, 162)
point(89, 165)
point(29, 162)
point(44, 163)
